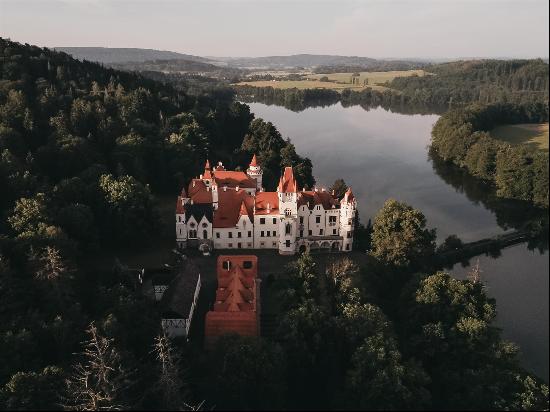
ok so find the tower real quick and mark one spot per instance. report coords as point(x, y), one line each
point(181, 226)
point(288, 212)
point(348, 209)
point(254, 171)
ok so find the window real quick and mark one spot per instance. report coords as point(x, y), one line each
point(192, 234)
point(262, 244)
point(192, 224)
point(301, 233)
point(317, 219)
point(274, 220)
point(349, 221)
point(238, 234)
point(247, 264)
point(205, 234)
point(262, 233)
point(262, 221)
point(274, 233)
point(239, 245)
point(268, 233)
point(205, 225)
point(179, 218)
point(333, 231)
point(288, 243)
point(301, 219)
point(217, 235)
point(249, 244)
point(288, 229)
point(332, 219)
point(288, 212)
point(249, 233)
point(309, 232)
point(320, 232)
point(350, 234)
point(347, 246)
point(230, 235)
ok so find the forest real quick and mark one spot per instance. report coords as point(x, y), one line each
point(462, 137)
point(453, 85)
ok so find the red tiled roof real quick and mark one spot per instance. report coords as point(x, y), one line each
point(254, 161)
point(313, 198)
point(263, 199)
point(230, 205)
point(234, 310)
point(233, 179)
point(287, 183)
point(198, 192)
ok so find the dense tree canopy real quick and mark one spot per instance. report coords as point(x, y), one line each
point(462, 136)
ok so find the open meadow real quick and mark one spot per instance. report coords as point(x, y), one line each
point(337, 81)
point(534, 135)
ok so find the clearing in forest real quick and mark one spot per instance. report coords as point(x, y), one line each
point(337, 81)
point(533, 135)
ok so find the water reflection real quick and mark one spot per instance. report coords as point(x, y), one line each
point(384, 154)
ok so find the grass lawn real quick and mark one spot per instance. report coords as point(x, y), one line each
point(338, 81)
point(533, 135)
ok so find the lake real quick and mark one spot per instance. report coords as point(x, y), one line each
point(383, 154)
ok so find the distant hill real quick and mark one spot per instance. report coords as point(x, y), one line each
point(305, 60)
point(108, 55)
point(170, 65)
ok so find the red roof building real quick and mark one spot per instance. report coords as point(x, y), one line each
point(237, 303)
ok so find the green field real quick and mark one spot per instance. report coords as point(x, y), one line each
point(337, 81)
point(534, 135)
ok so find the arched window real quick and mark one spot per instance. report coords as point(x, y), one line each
point(205, 234)
point(288, 228)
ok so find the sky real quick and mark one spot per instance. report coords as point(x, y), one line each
point(372, 28)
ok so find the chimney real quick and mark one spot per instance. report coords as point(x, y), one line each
point(193, 183)
point(268, 207)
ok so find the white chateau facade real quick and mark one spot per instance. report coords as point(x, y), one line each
point(230, 210)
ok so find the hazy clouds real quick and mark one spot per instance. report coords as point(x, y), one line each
point(376, 28)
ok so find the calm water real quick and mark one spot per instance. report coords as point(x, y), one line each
point(383, 154)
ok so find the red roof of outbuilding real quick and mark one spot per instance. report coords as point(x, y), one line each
point(236, 302)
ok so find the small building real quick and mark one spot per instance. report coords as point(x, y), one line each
point(179, 300)
point(236, 307)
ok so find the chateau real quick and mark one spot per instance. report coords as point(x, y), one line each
point(230, 210)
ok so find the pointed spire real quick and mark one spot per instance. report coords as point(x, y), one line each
point(287, 183)
point(349, 196)
point(254, 161)
point(207, 174)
